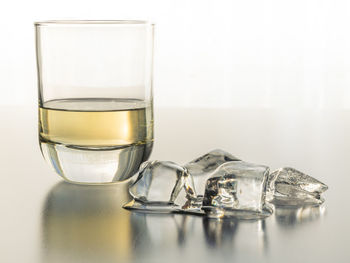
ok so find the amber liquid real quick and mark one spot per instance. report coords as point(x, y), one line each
point(96, 123)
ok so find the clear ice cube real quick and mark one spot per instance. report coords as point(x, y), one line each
point(202, 167)
point(161, 186)
point(288, 186)
point(237, 189)
point(220, 185)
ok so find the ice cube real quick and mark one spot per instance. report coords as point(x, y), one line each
point(161, 186)
point(288, 186)
point(237, 189)
point(202, 167)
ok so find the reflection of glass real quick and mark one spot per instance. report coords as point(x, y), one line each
point(95, 97)
point(291, 216)
point(86, 224)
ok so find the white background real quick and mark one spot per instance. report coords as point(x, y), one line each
point(238, 53)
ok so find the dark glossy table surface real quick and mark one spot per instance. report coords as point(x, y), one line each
point(44, 219)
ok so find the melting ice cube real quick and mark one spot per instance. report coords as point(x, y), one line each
point(288, 186)
point(221, 185)
point(237, 189)
point(161, 186)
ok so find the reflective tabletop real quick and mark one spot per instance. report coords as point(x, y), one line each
point(44, 219)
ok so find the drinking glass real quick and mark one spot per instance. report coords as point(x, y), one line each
point(95, 97)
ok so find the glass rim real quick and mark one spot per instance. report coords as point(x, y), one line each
point(92, 22)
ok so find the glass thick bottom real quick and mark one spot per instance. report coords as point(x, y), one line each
point(100, 165)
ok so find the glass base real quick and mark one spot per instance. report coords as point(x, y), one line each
point(95, 165)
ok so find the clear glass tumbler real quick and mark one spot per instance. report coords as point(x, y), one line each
point(95, 97)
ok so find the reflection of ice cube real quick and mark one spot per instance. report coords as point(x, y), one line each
point(237, 189)
point(202, 167)
point(161, 186)
point(288, 186)
point(290, 216)
point(219, 233)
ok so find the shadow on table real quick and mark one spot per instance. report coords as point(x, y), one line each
point(86, 224)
